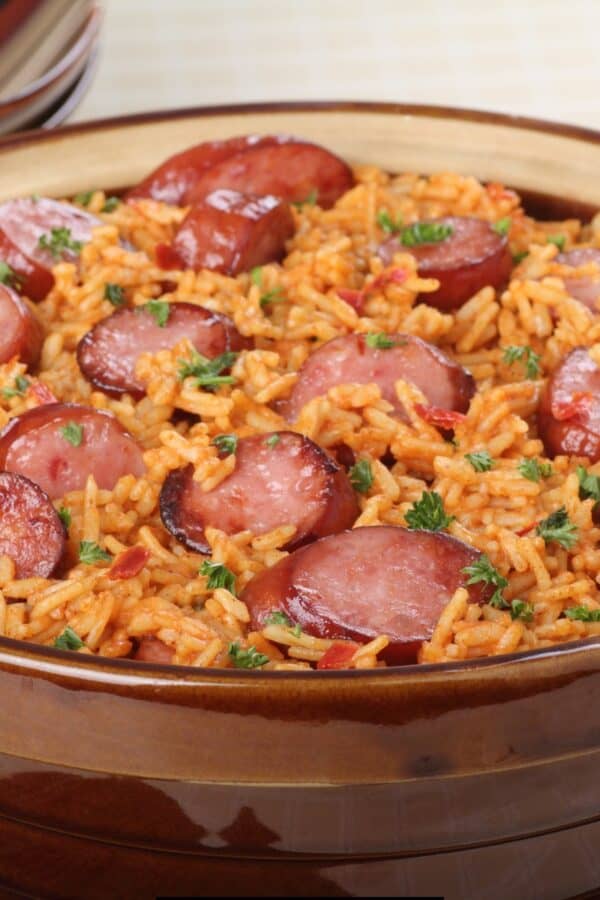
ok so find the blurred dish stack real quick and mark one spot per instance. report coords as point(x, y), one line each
point(48, 53)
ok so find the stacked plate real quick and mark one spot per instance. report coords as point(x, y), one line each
point(48, 50)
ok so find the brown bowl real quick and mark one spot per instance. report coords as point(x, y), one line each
point(473, 780)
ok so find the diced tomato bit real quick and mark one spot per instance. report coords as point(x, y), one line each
point(129, 563)
point(355, 299)
point(441, 418)
point(41, 393)
point(577, 406)
point(338, 656)
point(526, 529)
point(167, 258)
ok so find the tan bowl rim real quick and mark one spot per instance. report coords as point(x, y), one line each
point(82, 46)
point(62, 662)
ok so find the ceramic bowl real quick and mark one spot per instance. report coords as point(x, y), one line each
point(473, 780)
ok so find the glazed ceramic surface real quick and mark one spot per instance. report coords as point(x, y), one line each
point(421, 780)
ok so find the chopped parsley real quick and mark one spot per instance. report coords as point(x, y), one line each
point(207, 372)
point(274, 296)
point(90, 552)
point(68, 640)
point(519, 609)
point(84, 198)
point(64, 515)
point(589, 485)
point(428, 514)
point(277, 617)
point(272, 441)
point(378, 340)
point(480, 460)
point(558, 528)
point(386, 223)
point(425, 233)
point(483, 572)
point(7, 273)
point(502, 226)
point(20, 386)
point(218, 576)
point(309, 200)
point(225, 443)
point(248, 658)
point(160, 311)
point(533, 469)
point(110, 204)
point(361, 476)
point(58, 242)
point(256, 275)
point(519, 257)
point(114, 294)
point(558, 240)
point(73, 433)
point(583, 614)
point(526, 355)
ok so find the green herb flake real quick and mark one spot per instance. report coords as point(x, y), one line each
point(519, 257)
point(361, 476)
point(246, 658)
point(90, 553)
point(110, 204)
point(589, 485)
point(225, 443)
point(64, 515)
point(480, 460)
point(583, 614)
point(7, 273)
point(256, 275)
point(160, 311)
point(59, 241)
point(519, 609)
point(20, 387)
point(68, 640)
point(428, 514)
point(534, 470)
point(386, 223)
point(272, 441)
point(425, 233)
point(207, 372)
point(377, 340)
point(114, 294)
point(73, 433)
point(274, 296)
point(526, 355)
point(502, 226)
point(558, 240)
point(83, 199)
point(218, 576)
point(483, 572)
point(309, 200)
point(277, 617)
point(558, 529)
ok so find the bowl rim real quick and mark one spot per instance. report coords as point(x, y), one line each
point(63, 662)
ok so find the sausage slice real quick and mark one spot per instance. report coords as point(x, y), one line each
point(587, 289)
point(107, 354)
point(173, 180)
point(362, 583)
point(294, 171)
point(279, 479)
point(569, 410)
point(349, 359)
point(470, 258)
point(58, 445)
point(24, 222)
point(31, 532)
point(230, 232)
point(153, 650)
point(20, 332)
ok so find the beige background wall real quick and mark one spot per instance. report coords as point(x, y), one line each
point(535, 57)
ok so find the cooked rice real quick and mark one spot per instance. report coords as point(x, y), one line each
point(331, 249)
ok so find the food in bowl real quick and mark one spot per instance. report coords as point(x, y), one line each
point(271, 412)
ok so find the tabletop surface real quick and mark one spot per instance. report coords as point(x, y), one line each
point(537, 58)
